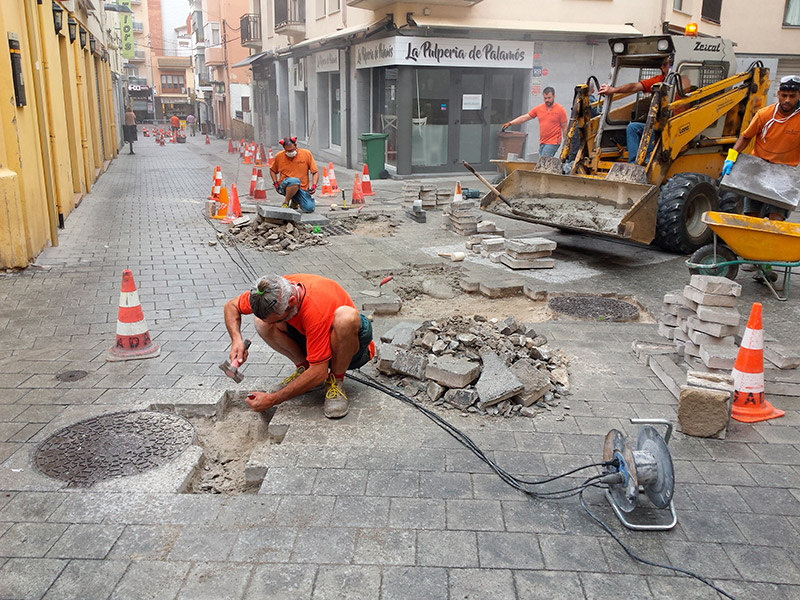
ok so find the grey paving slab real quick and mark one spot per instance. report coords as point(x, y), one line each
point(447, 549)
point(358, 511)
point(346, 582)
point(31, 506)
point(264, 544)
point(276, 582)
point(324, 545)
point(214, 580)
point(763, 564)
point(87, 580)
point(153, 580)
point(481, 584)
point(598, 586)
point(385, 547)
point(572, 553)
point(474, 515)
point(417, 513)
point(401, 583)
point(86, 541)
point(145, 542)
point(28, 579)
point(547, 585)
point(203, 544)
point(30, 539)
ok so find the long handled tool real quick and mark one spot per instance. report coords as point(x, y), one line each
point(377, 294)
point(486, 183)
point(231, 368)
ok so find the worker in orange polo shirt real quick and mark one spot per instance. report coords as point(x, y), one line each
point(552, 122)
point(289, 172)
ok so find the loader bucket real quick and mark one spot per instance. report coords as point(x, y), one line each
point(584, 204)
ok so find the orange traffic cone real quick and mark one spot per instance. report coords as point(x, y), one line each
point(247, 156)
point(326, 184)
point(234, 209)
point(230, 147)
point(366, 185)
point(133, 337)
point(222, 210)
point(145, 132)
point(332, 179)
point(260, 193)
point(270, 157)
point(253, 181)
point(358, 191)
point(259, 157)
point(215, 187)
point(457, 196)
point(208, 140)
point(749, 405)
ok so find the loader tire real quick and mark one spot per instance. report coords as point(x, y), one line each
point(681, 203)
point(731, 202)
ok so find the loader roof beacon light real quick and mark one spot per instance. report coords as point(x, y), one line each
point(691, 30)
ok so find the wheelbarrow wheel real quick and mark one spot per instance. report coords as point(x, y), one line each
point(705, 256)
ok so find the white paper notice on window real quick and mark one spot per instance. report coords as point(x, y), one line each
point(471, 101)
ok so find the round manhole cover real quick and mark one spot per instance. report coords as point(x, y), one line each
point(113, 445)
point(595, 308)
point(71, 375)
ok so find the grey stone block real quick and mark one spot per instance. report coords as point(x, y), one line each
point(410, 364)
point(461, 398)
point(314, 219)
point(452, 372)
point(434, 391)
point(497, 382)
point(668, 320)
point(277, 213)
point(419, 216)
point(714, 381)
point(711, 284)
point(535, 381)
point(508, 325)
point(704, 412)
point(670, 309)
point(536, 263)
point(528, 255)
point(713, 329)
point(670, 374)
point(530, 245)
point(382, 306)
point(707, 299)
point(691, 348)
point(402, 334)
point(496, 288)
point(781, 357)
point(387, 354)
point(703, 339)
point(672, 297)
point(667, 331)
point(719, 356)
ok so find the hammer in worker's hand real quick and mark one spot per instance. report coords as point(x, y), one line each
point(231, 368)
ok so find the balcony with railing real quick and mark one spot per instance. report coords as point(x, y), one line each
point(290, 17)
point(250, 28)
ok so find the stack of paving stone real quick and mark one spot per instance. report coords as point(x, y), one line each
point(462, 217)
point(410, 191)
point(528, 253)
point(705, 322)
point(469, 363)
point(443, 197)
point(429, 195)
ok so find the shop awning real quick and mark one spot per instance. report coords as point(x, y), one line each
point(253, 58)
point(531, 27)
point(338, 35)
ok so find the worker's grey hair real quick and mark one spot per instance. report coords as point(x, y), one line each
point(271, 295)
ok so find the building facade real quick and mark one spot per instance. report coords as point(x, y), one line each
point(58, 122)
point(440, 78)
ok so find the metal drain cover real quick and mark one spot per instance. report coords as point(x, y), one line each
point(71, 375)
point(595, 308)
point(335, 230)
point(113, 445)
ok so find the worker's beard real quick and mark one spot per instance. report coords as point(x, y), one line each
point(549, 104)
point(788, 108)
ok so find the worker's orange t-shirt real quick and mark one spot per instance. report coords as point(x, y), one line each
point(648, 84)
point(299, 166)
point(315, 317)
point(550, 122)
point(781, 145)
point(175, 121)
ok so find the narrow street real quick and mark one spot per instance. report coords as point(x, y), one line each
point(381, 504)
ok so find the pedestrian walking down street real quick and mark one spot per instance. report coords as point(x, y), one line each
point(313, 322)
point(552, 122)
point(289, 172)
point(129, 130)
point(190, 123)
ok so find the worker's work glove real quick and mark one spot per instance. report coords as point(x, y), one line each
point(505, 126)
point(728, 164)
point(312, 189)
point(277, 187)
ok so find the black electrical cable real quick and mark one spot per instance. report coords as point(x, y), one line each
point(637, 558)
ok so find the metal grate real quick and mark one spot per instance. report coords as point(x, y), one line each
point(335, 230)
point(113, 445)
point(595, 308)
point(71, 375)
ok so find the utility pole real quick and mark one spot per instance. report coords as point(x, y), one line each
point(228, 120)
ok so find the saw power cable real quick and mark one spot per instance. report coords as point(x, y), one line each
point(578, 490)
point(597, 481)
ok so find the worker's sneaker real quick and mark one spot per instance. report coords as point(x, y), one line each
point(293, 376)
point(336, 403)
point(284, 205)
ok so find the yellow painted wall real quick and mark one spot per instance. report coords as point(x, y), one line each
point(55, 145)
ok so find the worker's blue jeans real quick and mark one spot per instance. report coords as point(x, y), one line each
point(548, 149)
point(634, 132)
point(302, 197)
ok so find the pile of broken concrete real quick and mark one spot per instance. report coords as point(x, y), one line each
point(489, 367)
point(263, 234)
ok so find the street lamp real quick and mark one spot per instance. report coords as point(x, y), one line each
point(58, 17)
point(91, 43)
point(72, 25)
point(83, 37)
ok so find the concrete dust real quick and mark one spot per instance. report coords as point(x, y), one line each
point(571, 213)
point(227, 443)
point(408, 284)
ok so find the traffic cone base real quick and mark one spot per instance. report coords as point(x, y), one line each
point(749, 404)
point(133, 337)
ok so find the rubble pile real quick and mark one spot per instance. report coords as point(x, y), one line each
point(489, 367)
point(263, 234)
point(703, 321)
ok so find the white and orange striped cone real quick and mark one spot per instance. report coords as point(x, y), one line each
point(253, 181)
point(749, 404)
point(208, 140)
point(270, 157)
point(358, 191)
point(247, 156)
point(215, 187)
point(259, 162)
point(222, 209)
point(234, 209)
point(133, 337)
point(326, 184)
point(366, 185)
point(457, 195)
point(260, 193)
point(332, 179)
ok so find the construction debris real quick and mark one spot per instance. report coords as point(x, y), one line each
point(489, 367)
point(264, 234)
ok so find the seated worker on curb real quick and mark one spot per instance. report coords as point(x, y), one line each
point(289, 172)
point(635, 129)
point(776, 130)
point(313, 322)
point(552, 122)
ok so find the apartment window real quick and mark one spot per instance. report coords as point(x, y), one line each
point(711, 10)
point(334, 6)
point(792, 15)
point(173, 84)
point(320, 8)
point(215, 41)
point(677, 5)
point(245, 104)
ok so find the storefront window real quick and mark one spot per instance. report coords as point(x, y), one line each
point(335, 105)
point(389, 114)
point(430, 117)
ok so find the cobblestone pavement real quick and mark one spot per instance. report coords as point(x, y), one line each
point(381, 504)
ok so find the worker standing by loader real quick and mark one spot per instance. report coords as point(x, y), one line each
point(552, 122)
point(776, 130)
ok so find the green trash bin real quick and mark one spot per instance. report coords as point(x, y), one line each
point(373, 150)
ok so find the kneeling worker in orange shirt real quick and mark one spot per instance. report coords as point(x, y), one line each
point(776, 129)
point(289, 172)
point(552, 122)
point(313, 322)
